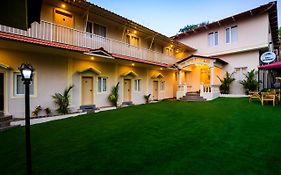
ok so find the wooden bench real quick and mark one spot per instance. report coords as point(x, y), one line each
point(269, 96)
point(254, 95)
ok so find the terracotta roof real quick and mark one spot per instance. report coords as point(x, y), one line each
point(21, 38)
point(270, 8)
point(139, 60)
point(200, 56)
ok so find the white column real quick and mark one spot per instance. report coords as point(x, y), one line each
point(212, 69)
point(179, 78)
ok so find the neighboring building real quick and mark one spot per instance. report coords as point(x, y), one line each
point(239, 40)
point(78, 43)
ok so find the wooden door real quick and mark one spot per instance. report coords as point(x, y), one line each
point(155, 90)
point(63, 32)
point(127, 90)
point(87, 90)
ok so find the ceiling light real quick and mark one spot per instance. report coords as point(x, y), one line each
point(63, 6)
point(92, 58)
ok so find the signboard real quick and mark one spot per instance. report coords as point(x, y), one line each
point(268, 57)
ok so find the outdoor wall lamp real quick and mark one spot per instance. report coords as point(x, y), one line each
point(26, 71)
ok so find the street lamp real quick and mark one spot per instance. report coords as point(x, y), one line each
point(26, 71)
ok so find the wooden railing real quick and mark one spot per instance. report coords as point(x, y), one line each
point(61, 34)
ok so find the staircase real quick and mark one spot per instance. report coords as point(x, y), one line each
point(5, 121)
point(192, 96)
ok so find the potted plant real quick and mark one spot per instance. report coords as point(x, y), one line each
point(113, 96)
point(226, 82)
point(250, 83)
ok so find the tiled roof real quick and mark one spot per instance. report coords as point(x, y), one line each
point(41, 42)
point(139, 60)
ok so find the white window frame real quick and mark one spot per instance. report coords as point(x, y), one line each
point(213, 38)
point(231, 34)
point(102, 89)
point(162, 85)
point(240, 73)
point(15, 85)
point(137, 85)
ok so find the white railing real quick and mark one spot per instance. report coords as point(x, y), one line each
point(61, 34)
point(209, 92)
point(181, 91)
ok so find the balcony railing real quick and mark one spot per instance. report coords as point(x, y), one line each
point(61, 34)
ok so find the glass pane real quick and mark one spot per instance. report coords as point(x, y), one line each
point(227, 35)
point(216, 38)
point(104, 85)
point(99, 84)
point(19, 85)
point(89, 27)
point(234, 34)
point(210, 39)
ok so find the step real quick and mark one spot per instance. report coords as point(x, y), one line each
point(193, 100)
point(88, 108)
point(193, 94)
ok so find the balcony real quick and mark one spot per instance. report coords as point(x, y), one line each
point(60, 34)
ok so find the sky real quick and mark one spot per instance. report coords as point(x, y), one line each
point(168, 16)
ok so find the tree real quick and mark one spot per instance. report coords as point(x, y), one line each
point(226, 82)
point(279, 31)
point(192, 26)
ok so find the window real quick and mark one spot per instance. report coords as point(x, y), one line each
point(213, 39)
point(99, 30)
point(19, 88)
point(93, 28)
point(162, 85)
point(137, 85)
point(231, 34)
point(240, 73)
point(102, 84)
point(132, 40)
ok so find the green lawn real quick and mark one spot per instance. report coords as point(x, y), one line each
point(224, 136)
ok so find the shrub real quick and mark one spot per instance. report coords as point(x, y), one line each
point(113, 96)
point(226, 82)
point(146, 97)
point(48, 111)
point(62, 101)
point(37, 110)
point(250, 83)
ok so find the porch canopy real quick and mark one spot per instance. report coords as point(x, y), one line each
point(275, 65)
point(199, 59)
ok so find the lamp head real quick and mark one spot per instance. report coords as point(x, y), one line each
point(26, 71)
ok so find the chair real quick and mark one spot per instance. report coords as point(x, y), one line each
point(254, 95)
point(269, 96)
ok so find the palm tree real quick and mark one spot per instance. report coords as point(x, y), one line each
point(226, 82)
point(62, 100)
point(250, 82)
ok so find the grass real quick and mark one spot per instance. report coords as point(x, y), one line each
point(224, 136)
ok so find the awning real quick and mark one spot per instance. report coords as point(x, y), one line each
point(275, 65)
point(92, 70)
point(157, 76)
point(130, 73)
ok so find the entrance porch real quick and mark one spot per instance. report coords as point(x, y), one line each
point(198, 74)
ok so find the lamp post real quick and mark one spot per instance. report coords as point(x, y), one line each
point(27, 75)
